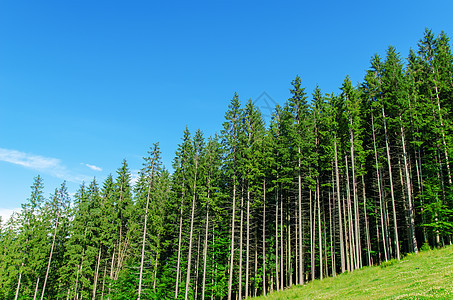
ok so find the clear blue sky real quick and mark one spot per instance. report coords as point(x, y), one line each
point(84, 84)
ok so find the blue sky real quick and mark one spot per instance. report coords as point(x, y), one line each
point(84, 84)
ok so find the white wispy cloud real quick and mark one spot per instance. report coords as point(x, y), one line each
point(42, 164)
point(93, 167)
point(32, 161)
point(6, 213)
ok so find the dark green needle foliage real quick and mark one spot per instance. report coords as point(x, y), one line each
point(338, 181)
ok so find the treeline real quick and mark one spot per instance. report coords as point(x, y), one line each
point(334, 183)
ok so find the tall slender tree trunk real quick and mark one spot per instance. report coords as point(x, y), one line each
point(103, 282)
point(346, 235)
point(352, 261)
point(357, 248)
point(340, 219)
point(444, 143)
point(121, 257)
point(205, 250)
point(296, 254)
point(156, 262)
point(282, 253)
point(79, 270)
point(331, 227)
point(301, 260)
point(142, 257)
point(326, 262)
point(418, 163)
point(312, 240)
point(289, 263)
point(381, 200)
point(18, 281)
point(213, 265)
point(395, 225)
point(197, 265)
point(96, 273)
point(319, 232)
point(230, 279)
point(50, 258)
point(412, 238)
point(255, 285)
point(178, 271)
point(112, 269)
point(189, 256)
point(367, 230)
point(241, 238)
point(247, 266)
point(36, 289)
point(277, 270)
point(418, 169)
point(264, 237)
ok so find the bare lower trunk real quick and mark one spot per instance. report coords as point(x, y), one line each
point(111, 268)
point(296, 254)
point(367, 230)
point(189, 256)
point(444, 143)
point(346, 236)
point(241, 242)
point(312, 240)
point(50, 259)
point(381, 200)
point(282, 254)
point(103, 282)
point(301, 260)
point(395, 225)
point(96, 274)
point(332, 228)
point(197, 268)
point(247, 263)
point(205, 251)
point(319, 234)
point(255, 294)
point(264, 237)
point(277, 279)
point(142, 258)
point(79, 270)
point(230, 279)
point(352, 253)
point(340, 219)
point(18, 281)
point(156, 262)
point(289, 254)
point(178, 264)
point(36, 289)
point(413, 240)
point(357, 249)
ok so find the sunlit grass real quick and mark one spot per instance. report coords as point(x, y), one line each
point(427, 275)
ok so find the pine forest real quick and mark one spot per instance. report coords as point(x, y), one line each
point(333, 183)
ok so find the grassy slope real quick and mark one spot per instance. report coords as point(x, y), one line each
point(427, 275)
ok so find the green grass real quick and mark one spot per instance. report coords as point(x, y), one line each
point(427, 275)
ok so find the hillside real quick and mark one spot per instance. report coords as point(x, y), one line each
point(428, 274)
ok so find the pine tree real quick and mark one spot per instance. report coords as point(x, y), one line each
point(299, 108)
point(231, 131)
point(32, 237)
point(56, 215)
point(149, 173)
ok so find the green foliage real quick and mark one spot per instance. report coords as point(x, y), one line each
point(425, 247)
point(388, 263)
point(168, 230)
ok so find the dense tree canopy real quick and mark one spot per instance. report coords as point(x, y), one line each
point(334, 182)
